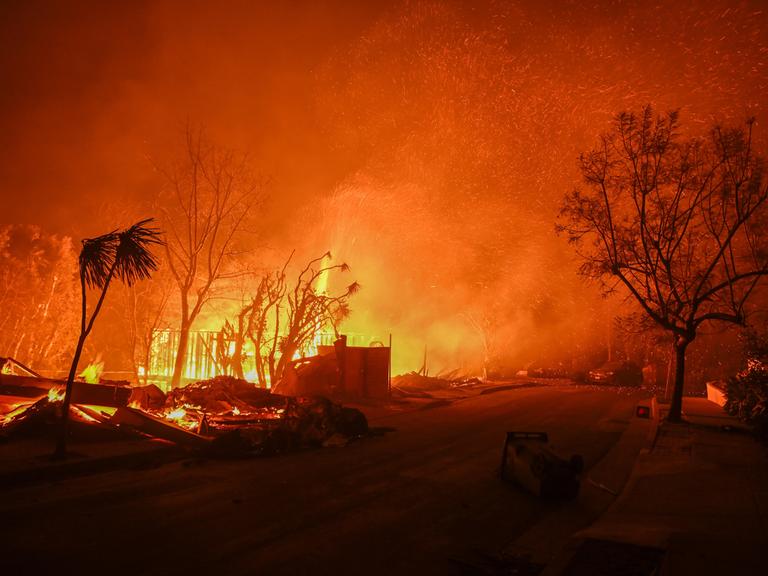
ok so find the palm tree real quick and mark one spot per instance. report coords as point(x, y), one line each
point(123, 254)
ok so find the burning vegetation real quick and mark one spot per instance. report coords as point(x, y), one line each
point(428, 144)
point(240, 415)
point(234, 229)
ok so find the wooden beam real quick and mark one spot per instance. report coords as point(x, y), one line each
point(114, 395)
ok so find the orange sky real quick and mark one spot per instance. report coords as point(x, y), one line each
point(426, 142)
point(91, 89)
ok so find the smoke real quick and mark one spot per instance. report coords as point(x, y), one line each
point(427, 144)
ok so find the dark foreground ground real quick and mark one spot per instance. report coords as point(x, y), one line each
point(424, 498)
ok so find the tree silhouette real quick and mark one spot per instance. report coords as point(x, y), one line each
point(211, 194)
point(38, 282)
point(283, 318)
point(678, 223)
point(122, 254)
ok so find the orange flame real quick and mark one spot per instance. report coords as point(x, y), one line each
point(92, 373)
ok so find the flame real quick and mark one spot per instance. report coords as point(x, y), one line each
point(201, 366)
point(186, 416)
point(176, 414)
point(321, 287)
point(83, 414)
point(56, 394)
point(14, 411)
point(235, 411)
point(92, 372)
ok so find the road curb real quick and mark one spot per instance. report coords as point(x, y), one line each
point(561, 561)
point(653, 432)
point(552, 538)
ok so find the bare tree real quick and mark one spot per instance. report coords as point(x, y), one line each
point(212, 194)
point(264, 313)
point(282, 319)
point(678, 223)
point(484, 322)
point(309, 310)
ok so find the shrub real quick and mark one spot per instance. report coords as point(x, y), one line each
point(747, 396)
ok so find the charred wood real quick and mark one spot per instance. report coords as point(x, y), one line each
point(114, 395)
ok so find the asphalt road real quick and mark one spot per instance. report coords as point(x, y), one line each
point(422, 499)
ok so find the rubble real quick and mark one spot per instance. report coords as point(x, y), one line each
point(42, 418)
point(108, 393)
point(339, 371)
point(148, 397)
point(220, 394)
point(418, 385)
point(310, 376)
point(141, 421)
point(220, 416)
point(12, 366)
point(281, 423)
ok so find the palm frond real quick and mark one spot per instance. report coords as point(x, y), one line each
point(134, 259)
point(96, 258)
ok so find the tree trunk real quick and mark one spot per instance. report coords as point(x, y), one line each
point(676, 407)
point(61, 444)
point(272, 368)
point(134, 333)
point(286, 355)
point(237, 355)
point(259, 360)
point(181, 356)
point(147, 357)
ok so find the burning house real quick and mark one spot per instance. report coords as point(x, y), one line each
point(210, 354)
point(222, 413)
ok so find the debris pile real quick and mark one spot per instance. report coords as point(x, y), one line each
point(414, 384)
point(222, 416)
point(303, 422)
point(148, 397)
point(43, 416)
point(221, 394)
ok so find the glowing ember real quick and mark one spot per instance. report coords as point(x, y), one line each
point(186, 416)
point(83, 415)
point(92, 373)
point(176, 414)
point(15, 410)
